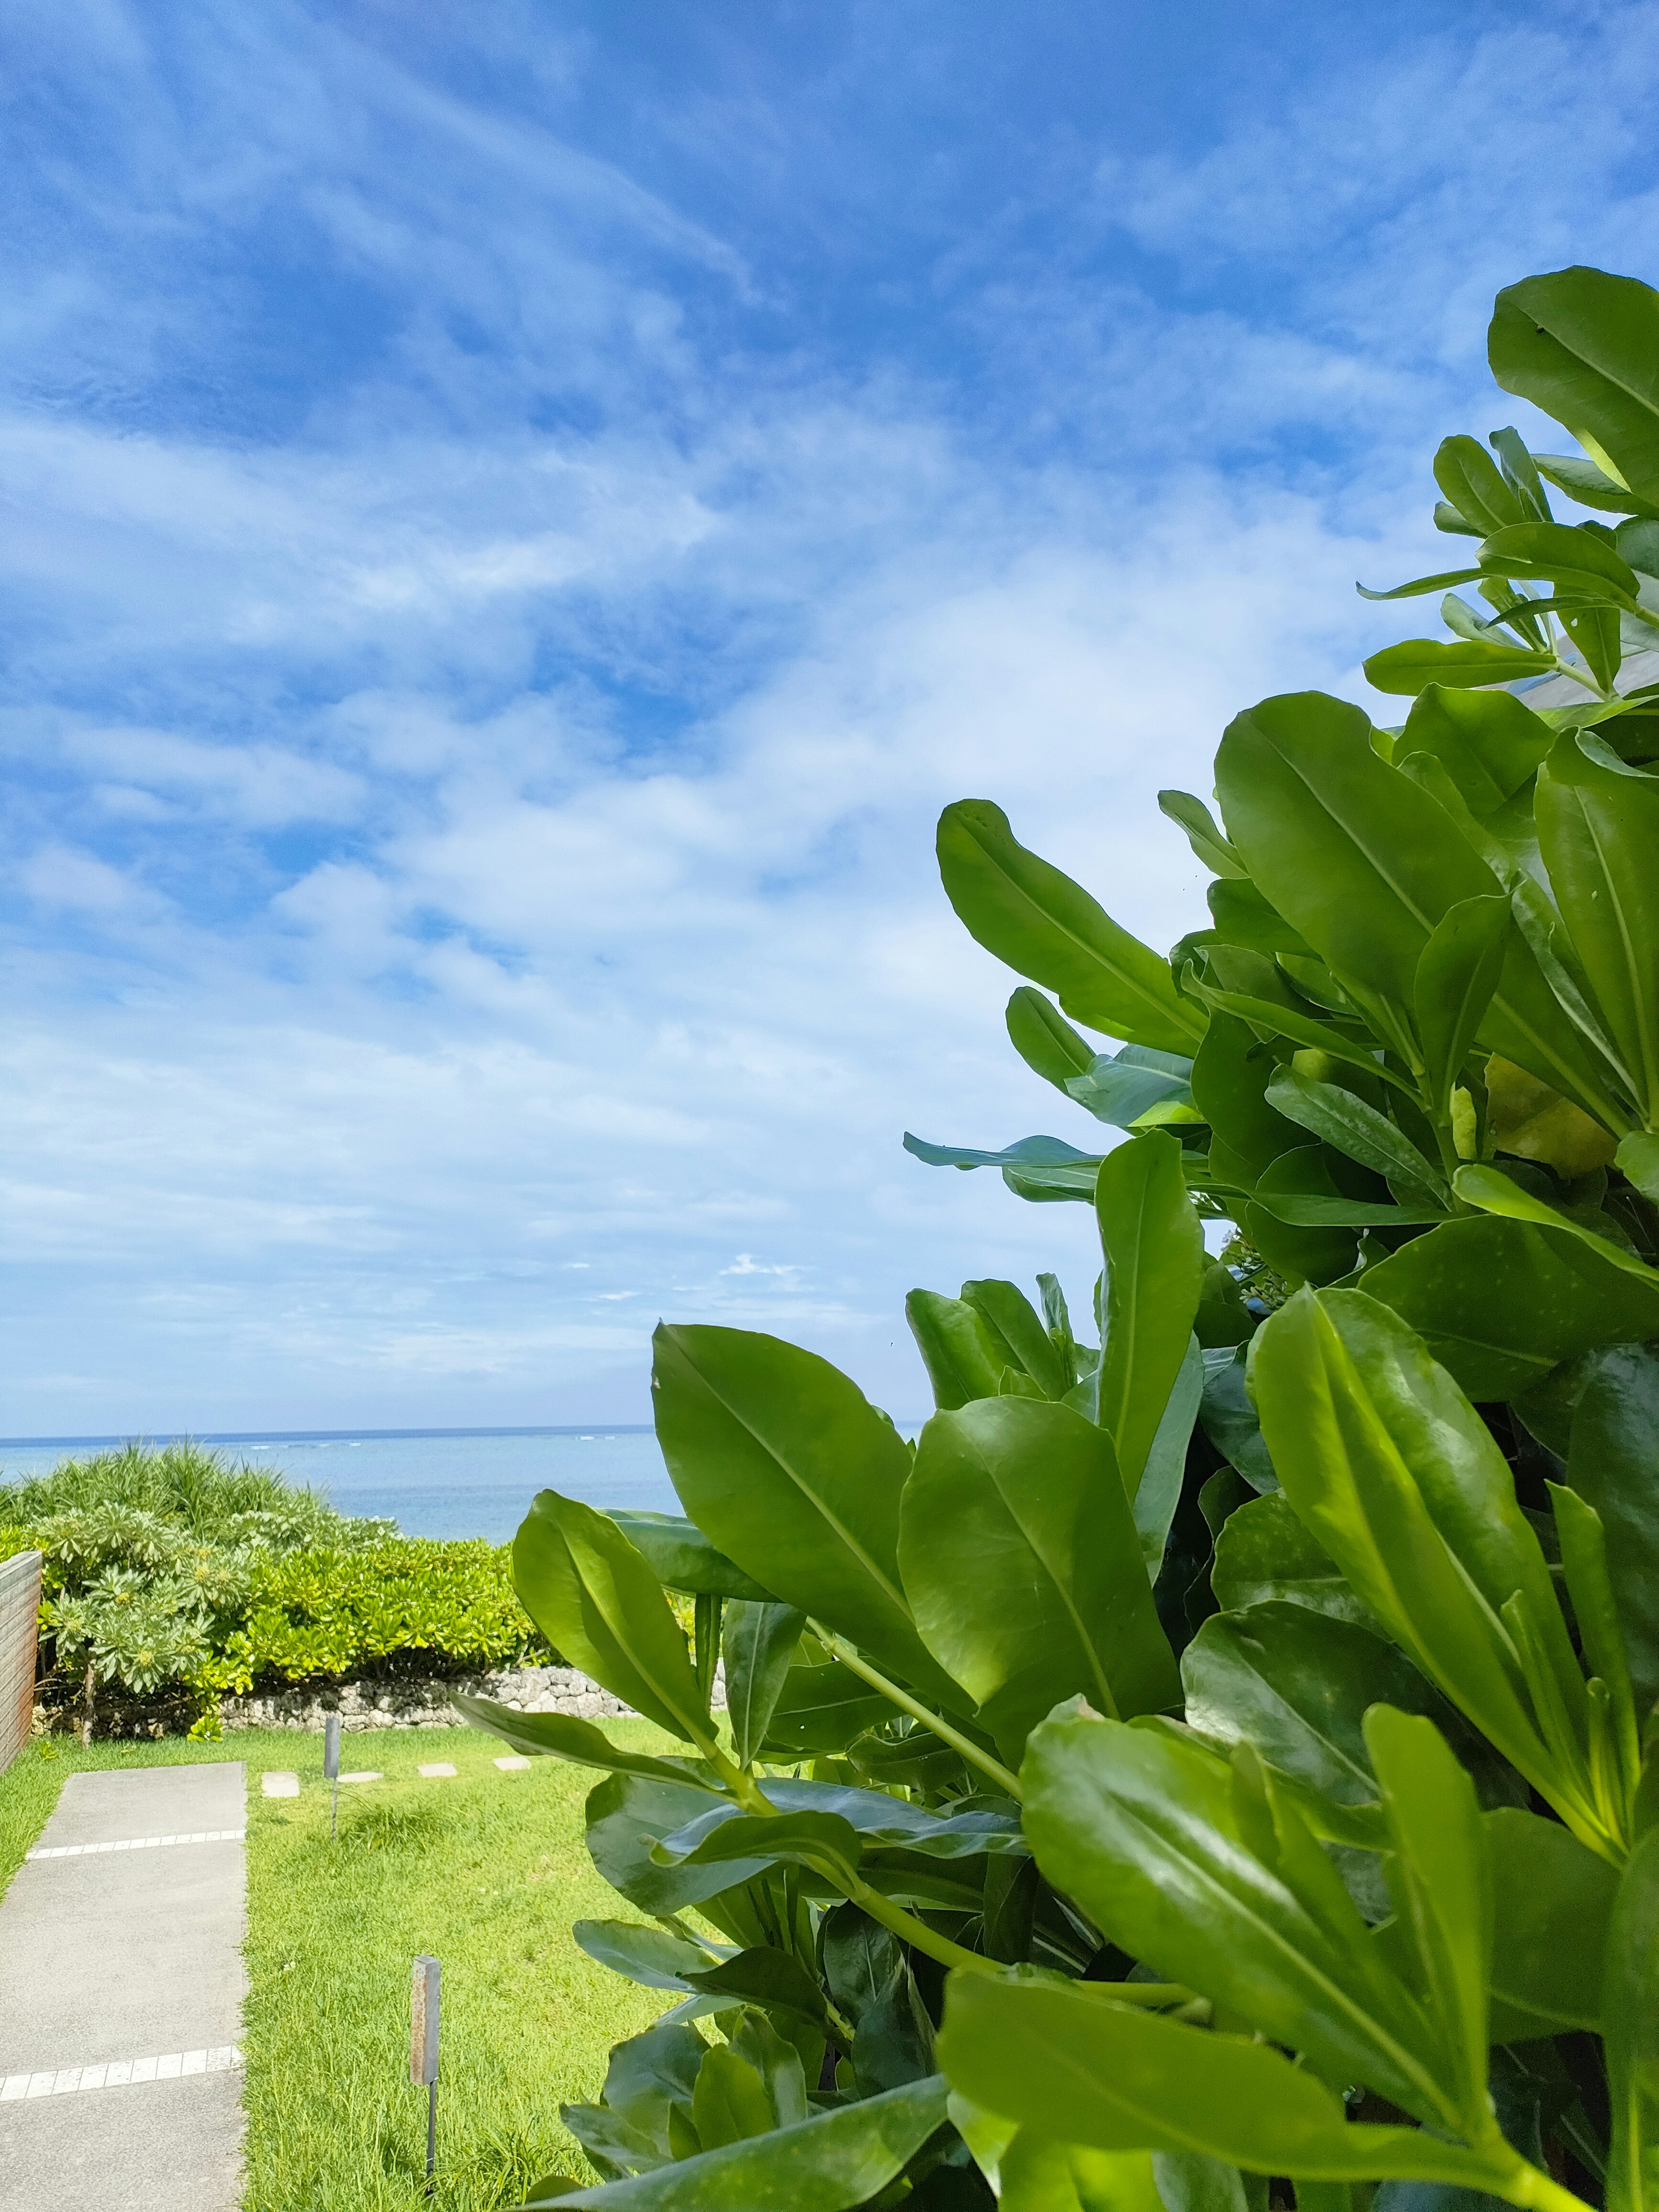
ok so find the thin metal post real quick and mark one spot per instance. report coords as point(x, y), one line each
point(424, 2005)
point(331, 1767)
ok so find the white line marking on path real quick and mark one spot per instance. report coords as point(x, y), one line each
point(120, 2073)
point(136, 1844)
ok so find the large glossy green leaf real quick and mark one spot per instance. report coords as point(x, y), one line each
point(1039, 2175)
point(1229, 1419)
point(828, 2163)
point(1047, 927)
point(759, 1643)
point(1022, 1562)
point(1500, 1303)
point(562, 1736)
point(1033, 1168)
point(1230, 1075)
point(627, 1815)
point(1365, 864)
point(873, 1988)
point(594, 1597)
point(1599, 833)
point(1207, 842)
point(656, 1958)
point(1265, 1552)
point(1018, 1336)
point(1582, 346)
point(1297, 1685)
point(1338, 1118)
point(766, 1976)
point(956, 1346)
point(1045, 1040)
point(628, 2132)
point(1136, 1087)
point(1158, 1491)
point(682, 1557)
point(821, 1708)
point(1569, 555)
point(793, 1473)
point(1315, 1251)
point(1554, 1898)
point(1459, 970)
point(1470, 478)
point(1058, 2057)
point(1162, 1848)
point(1591, 486)
point(1411, 666)
point(1629, 2029)
point(1613, 1465)
point(1402, 1483)
point(1155, 1260)
point(1439, 1875)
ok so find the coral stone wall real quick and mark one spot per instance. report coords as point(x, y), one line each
point(20, 1607)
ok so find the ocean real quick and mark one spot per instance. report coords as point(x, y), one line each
point(432, 1482)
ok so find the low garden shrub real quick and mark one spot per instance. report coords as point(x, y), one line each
point(171, 1577)
point(1217, 1767)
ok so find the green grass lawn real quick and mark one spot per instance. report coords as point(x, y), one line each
point(486, 1872)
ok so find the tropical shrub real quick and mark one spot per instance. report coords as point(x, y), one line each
point(172, 1577)
point(1214, 1766)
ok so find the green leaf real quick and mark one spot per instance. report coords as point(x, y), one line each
point(829, 2163)
point(1312, 1252)
point(1340, 1119)
point(1284, 1019)
point(1582, 346)
point(1159, 1491)
point(1591, 486)
point(873, 1988)
point(1440, 1878)
point(1045, 1040)
point(729, 2104)
point(682, 1557)
point(1297, 1685)
point(1228, 1419)
point(1163, 1849)
point(1457, 972)
point(1613, 1466)
point(1401, 1482)
point(821, 1709)
point(1489, 742)
point(791, 1471)
point(1124, 1088)
point(1599, 832)
point(562, 1736)
point(1207, 842)
point(777, 2061)
point(744, 1843)
point(1500, 1303)
point(1021, 1559)
point(1421, 585)
point(594, 1598)
point(626, 1816)
point(1554, 1899)
point(656, 1958)
point(766, 1976)
point(1036, 1167)
point(1242, 916)
point(1312, 1210)
point(1056, 2056)
point(1630, 2028)
point(1638, 1158)
point(956, 1346)
point(759, 1643)
point(1494, 1192)
point(1155, 1260)
point(1265, 1552)
point(1569, 553)
point(1046, 926)
point(1471, 480)
point(1040, 2175)
point(1365, 864)
point(1406, 669)
point(1230, 1075)
point(1018, 1334)
point(647, 2076)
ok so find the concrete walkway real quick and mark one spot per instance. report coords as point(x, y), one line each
point(121, 1989)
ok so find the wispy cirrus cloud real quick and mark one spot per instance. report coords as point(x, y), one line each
point(514, 530)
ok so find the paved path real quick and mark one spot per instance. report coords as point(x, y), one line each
point(121, 1989)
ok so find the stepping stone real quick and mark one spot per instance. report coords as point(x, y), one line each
point(438, 1770)
point(512, 1765)
point(363, 1774)
point(279, 1786)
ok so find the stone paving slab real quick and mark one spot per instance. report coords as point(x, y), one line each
point(106, 1955)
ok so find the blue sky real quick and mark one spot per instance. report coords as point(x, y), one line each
point(517, 518)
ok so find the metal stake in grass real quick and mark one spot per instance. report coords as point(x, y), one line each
point(331, 1767)
point(423, 2050)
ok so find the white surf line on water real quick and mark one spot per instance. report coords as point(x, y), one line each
point(136, 1844)
point(119, 2073)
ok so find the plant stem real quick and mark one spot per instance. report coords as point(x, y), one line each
point(917, 1933)
point(1538, 2191)
point(993, 1768)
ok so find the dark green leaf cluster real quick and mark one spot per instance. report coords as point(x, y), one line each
point(1215, 1764)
